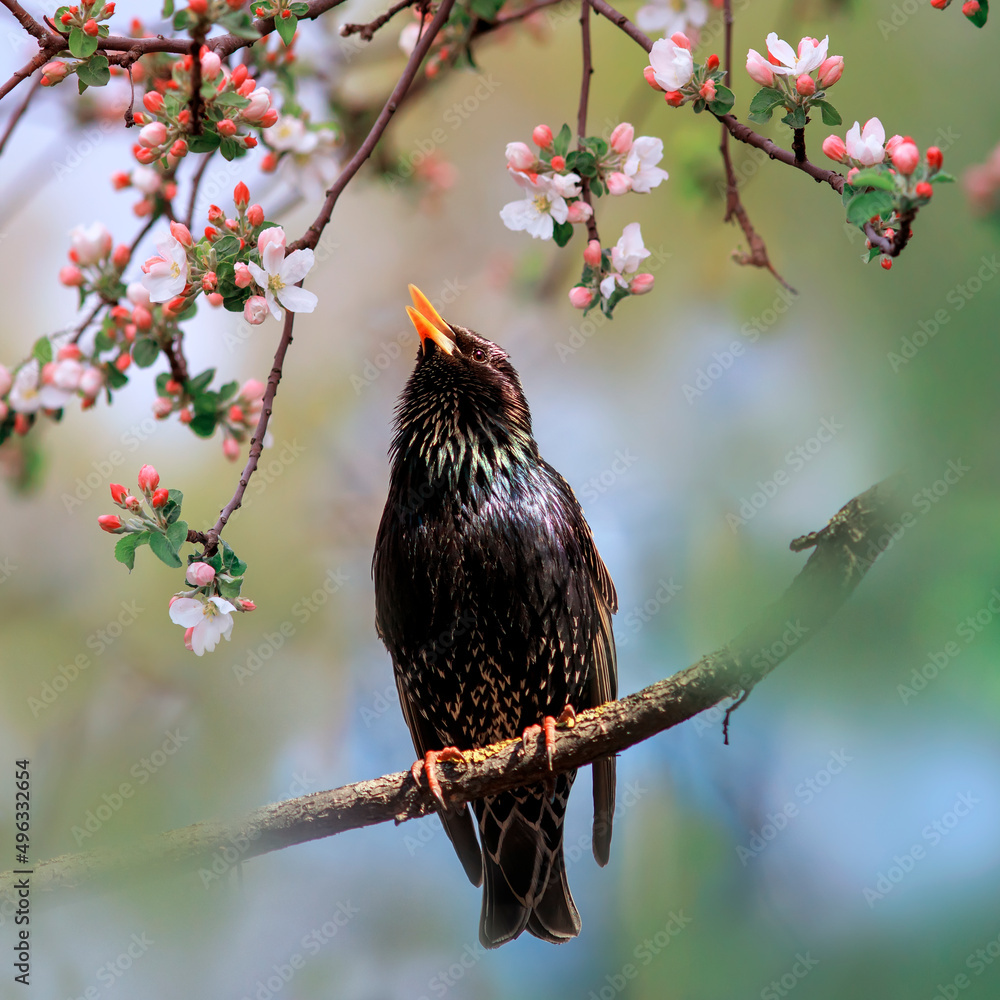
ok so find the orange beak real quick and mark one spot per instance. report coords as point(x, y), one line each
point(428, 322)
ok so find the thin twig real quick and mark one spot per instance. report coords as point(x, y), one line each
point(197, 40)
point(37, 62)
point(581, 115)
point(367, 31)
point(16, 116)
point(195, 185)
point(844, 551)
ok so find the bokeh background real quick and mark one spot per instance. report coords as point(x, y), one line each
point(844, 844)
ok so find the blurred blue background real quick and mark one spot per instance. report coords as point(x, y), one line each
point(845, 843)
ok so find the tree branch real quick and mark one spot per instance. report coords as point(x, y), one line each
point(844, 551)
point(581, 115)
point(367, 31)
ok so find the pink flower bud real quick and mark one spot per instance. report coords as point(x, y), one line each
point(231, 449)
point(679, 38)
point(241, 196)
point(650, 76)
point(245, 604)
point(181, 233)
point(153, 135)
point(188, 632)
point(162, 407)
point(268, 118)
point(892, 143)
point(805, 85)
point(226, 127)
point(260, 104)
point(578, 211)
point(211, 65)
point(255, 215)
point(111, 523)
point(120, 180)
point(712, 62)
point(91, 27)
point(759, 69)
point(592, 254)
point(541, 135)
point(239, 74)
point(851, 174)
point(970, 8)
point(120, 256)
point(830, 71)
point(905, 157)
point(924, 189)
point(235, 414)
point(53, 72)
point(145, 156)
point(621, 138)
point(91, 381)
point(934, 158)
point(707, 90)
point(71, 275)
point(149, 479)
point(159, 497)
point(242, 276)
point(886, 263)
point(153, 101)
point(618, 183)
point(252, 389)
point(118, 493)
point(255, 310)
point(519, 156)
point(215, 299)
point(641, 284)
point(580, 297)
point(835, 148)
point(940, 4)
point(274, 235)
point(200, 574)
point(675, 98)
point(179, 148)
point(558, 162)
point(132, 503)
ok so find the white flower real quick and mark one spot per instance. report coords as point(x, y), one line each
point(24, 396)
point(672, 64)
point(809, 57)
point(165, 276)
point(290, 133)
point(410, 35)
point(280, 273)
point(137, 294)
point(544, 205)
point(566, 185)
point(146, 179)
point(641, 164)
point(310, 164)
point(664, 17)
point(626, 256)
point(92, 243)
point(209, 621)
point(867, 146)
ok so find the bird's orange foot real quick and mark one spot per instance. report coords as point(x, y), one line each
point(429, 764)
point(566, 719)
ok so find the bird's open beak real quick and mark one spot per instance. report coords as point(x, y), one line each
point(428, 322)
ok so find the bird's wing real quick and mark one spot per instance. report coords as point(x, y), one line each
point(460, 826)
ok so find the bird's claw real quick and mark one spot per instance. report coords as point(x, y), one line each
point(566, 719)
point(429, 765)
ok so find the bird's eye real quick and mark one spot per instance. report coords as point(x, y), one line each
point(479, 355)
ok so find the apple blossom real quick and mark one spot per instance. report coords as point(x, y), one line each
point(541, 136)
point(260, 104)
point(24, 393)
point(566, 185)
point(241, 196)
point(592, 253)
point(934, 160)
point(621, 138)
point(209, 621)
point(835, 148)
point(211, 65)
point(71, 276)
point(246, 604)
point(153, 135)
point(580, 297)
point(255, 310)
point(153, 101)
point(118, 494)
point(664, 17)
point(181, 233)
point(252, 389)
point(618, 183)
point(241, 275)
point(905, 157)
point(641, 284)
point(805, 85)
point(162, 407)
point(159, 498)
point(200, 574)
point(892, 143)
point(641, 165)
point(148, 479)
point(830, 71)
point(924, 189)
point(54, 72)
point(255, 215)
point(626, 256)
point(91, 244)
point(538, 213)
point(111, 523)
point(579, 211)
point(279, 274)
point(166, 275)
point(866, 146)
point(707, 90)
point(672, 64)
point(786, 62)
point(91, 381)
point(759, 69)
point(231, 449)
point(519, 156)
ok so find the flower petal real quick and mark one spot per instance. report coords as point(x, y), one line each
point(186, 612)
point(297, 265)
point(297, 300)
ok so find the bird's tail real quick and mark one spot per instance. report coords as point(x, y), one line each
point(523, 865)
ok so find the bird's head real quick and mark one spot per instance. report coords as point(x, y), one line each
point(463, 392)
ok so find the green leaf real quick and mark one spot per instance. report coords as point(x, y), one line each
point(206, 402)
point(874, 179)
point(240, 24)
point(234, 304)
point(231, 100)
point(102, 343)
point(231, 563)
point(561, 232)
point(796, 118)
point(113, 377)
point(82, 45)
point(177, 534)
point(95, 71)
point(582, 162)
point(724, 99)
point(168, 8)
point(596, 145)
point(230, 148)
point(979, 18)
point(161, 383)
point(943, 178)
point(230, 589)
point(181, 19)
point(224, 246)
point(831, 116)
point(764, 102)
point(42, 350)
point(596, 188)
point(299, 9)
point(204, 424)
point(127, 544)
point(200, 382)
point(560, 145)
point(867, 205)
point(172, 508)
point(163, 550)
point(207, 142)
point(227, 390)
point(285, 26)
point(145, 351)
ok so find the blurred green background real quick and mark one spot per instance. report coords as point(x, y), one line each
point(736, 871)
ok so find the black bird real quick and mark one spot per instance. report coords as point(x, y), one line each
point(496, 609)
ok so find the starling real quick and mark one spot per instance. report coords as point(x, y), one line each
point(496, 610)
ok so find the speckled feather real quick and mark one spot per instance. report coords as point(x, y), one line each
point(496, 609)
